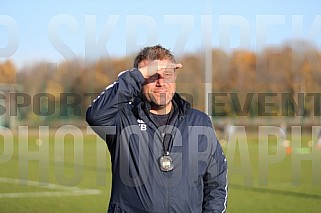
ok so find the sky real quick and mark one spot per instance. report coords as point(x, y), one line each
point(53, 31)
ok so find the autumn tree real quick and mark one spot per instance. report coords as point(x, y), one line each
point(7, 72)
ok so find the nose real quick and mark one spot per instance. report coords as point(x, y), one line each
point(160, 80)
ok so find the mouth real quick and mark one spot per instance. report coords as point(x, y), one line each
point(160, 91)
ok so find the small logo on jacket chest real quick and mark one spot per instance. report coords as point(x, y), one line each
point(142, 125)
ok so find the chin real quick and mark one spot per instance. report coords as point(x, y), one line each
point(160, 103)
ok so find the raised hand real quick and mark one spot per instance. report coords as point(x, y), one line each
point(158, 66)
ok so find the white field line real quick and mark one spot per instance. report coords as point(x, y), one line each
point(63, 190)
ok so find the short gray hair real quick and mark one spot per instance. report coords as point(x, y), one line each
point(156, 52)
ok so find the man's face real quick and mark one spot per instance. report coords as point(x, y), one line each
point(159, 88)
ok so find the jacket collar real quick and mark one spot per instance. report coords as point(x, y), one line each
point(141, 108)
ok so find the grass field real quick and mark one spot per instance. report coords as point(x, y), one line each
point(72, 174)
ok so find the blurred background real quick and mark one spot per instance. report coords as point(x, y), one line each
point(57, 56)
point(245, 63)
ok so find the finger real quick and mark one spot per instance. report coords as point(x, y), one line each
point(169, 65)
point(178, 66)
point(166, 71)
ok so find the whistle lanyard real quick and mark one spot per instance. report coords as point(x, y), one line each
point(165, 161)
point(164, 120)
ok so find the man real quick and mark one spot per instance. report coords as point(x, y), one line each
point(165, 156)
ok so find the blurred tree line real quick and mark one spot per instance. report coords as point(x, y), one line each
point(65, 90)
point(7, 73)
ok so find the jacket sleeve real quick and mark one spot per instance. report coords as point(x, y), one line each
point(105, 109)
point(215, 181)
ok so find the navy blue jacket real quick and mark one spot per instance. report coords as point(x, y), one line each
point(198, 182)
